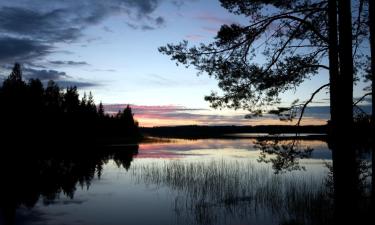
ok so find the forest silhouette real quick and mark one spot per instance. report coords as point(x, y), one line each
point(34, 114)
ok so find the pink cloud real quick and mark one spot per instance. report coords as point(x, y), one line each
point(210, 30)
point(194, 37)
point(173, 115)
point(114, 108)
point(213, 19)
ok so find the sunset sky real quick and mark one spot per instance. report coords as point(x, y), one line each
point(110, 48)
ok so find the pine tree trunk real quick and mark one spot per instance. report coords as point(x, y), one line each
point(333, 64)
point(345, 81)
point(343, 152)
point(372, 46)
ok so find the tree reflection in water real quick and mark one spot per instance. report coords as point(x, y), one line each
point(27, 177)
point(284, 155)
point(207, 191)
point(350, 173)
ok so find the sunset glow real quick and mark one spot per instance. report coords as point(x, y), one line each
point(170, 115)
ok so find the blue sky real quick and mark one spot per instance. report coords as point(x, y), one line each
point(110, 48)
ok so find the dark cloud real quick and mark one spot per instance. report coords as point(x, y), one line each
point(60, 77)
point(143, 6)
point(141, 27)
point(180, 3)
point(19, 49)
point(69, 63)
point(131, 25)
point(76, 83)
point(153, 24)
point(51, 26)
point(147, 27)
point(160, 21)
point(107, 29)
point(104, 70)
point(29, 28)
point(44, 75)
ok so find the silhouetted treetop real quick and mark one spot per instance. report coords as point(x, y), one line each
point(54, 113)
point(16, 74)
point(284, 44)
point(291, 37)
point(101, 110)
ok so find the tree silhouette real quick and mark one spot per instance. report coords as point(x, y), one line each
point(13, 92)
point(51, 114)
point(71, 100)
point(91, 107)
point(372, 78)
point(100, 110)
point(16, 75)
point(230, 58)
point(127, 116)
point(296, 39)
point(36, 96)
point(53, 98)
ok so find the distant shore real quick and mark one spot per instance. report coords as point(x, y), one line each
point(198, 132)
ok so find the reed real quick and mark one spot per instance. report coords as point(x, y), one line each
point(239, 188)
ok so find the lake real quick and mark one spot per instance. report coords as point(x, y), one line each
point(175, 181)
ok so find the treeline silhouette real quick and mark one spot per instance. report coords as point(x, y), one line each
point(31, 113)
point(196, 132)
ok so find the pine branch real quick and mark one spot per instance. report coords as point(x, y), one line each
point(309, 101)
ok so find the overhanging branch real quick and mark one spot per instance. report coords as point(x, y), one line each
point(362, 98)
point(309, 101)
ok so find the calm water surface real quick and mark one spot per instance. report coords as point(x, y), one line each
point(177, 182)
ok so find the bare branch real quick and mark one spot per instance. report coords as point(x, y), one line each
point(310, 25)
point(309, 101)
point(362, 98)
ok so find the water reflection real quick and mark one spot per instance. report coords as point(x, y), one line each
point(188, 182)
point(214, 191)
point(28, 178)
point(285, 154)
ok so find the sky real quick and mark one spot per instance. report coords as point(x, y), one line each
point(111, 49)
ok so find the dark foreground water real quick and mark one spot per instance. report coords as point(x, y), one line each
point(208, 181)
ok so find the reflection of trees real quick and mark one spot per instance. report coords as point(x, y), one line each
point(27, 178)
point(349, 180)
point(283, 155)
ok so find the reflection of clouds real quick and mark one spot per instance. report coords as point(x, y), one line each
point(33, 216)
point(185, 145)
point(66, 201)
point(219, 147)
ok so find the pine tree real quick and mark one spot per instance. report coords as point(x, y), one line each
point(16, 74)
point(100, 110)
point(91, 104)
